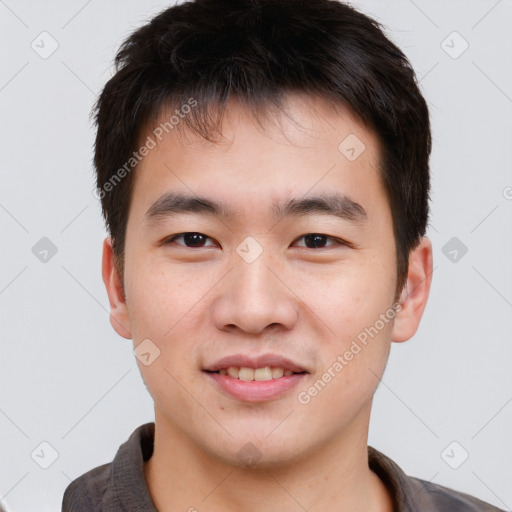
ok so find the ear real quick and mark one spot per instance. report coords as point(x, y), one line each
point(415, 292)
point(119, 317)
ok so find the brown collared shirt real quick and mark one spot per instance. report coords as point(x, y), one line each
point(120, 486)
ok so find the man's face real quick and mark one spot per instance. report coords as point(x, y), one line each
point(262, 288)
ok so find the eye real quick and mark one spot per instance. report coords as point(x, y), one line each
point(190, 239)
point(317, 241)
point(198, 240)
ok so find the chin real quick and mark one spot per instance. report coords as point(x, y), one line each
point(247, 452)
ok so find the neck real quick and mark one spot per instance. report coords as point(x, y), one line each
point(182, 476)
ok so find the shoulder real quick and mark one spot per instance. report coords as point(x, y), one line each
point(411, 494)
point(90, 491)
point(118, 485)
point(443, 498)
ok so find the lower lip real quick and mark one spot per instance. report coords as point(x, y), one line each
point(254, 390)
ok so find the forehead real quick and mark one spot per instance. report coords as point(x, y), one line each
point(310, 147)
point(301, 116)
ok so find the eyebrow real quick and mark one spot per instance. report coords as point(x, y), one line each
point(334, 204)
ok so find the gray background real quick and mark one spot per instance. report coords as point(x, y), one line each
point(69, 380)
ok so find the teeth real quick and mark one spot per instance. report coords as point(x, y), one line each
point(258, 374)
point(277, 373)
point(246, 373)
point(233, 372)
point(263, 373)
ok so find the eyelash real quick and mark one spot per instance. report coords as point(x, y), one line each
point(338, 241)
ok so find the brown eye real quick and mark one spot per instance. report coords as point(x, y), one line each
point(318, 241)
point(190, 239)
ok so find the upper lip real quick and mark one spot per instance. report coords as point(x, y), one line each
point(242, 360)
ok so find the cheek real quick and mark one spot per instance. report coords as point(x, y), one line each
point(360, 319)
point(166, 307)
point(158, 297)
point(352, 300)
point(353, 363)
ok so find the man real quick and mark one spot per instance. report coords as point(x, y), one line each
point(263, 168)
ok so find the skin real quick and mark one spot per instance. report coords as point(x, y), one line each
point(198, 304)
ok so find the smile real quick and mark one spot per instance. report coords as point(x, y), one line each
point(258, 374)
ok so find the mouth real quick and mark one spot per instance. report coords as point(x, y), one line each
point(260, 379)
point(262, 374)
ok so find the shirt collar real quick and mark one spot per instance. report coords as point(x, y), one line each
point(131, 487)
point(128, 469)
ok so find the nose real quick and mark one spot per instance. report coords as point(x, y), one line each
point(254, 297)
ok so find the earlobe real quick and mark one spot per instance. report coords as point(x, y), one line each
point(415, 292)
point(119, 317)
